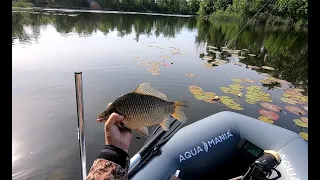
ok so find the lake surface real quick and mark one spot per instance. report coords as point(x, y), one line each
point(115, 52)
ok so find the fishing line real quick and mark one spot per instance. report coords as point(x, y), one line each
point(247, 24)
point(192, 83)
point(229, 43)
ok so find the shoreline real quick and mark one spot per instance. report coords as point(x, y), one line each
point(75, 10)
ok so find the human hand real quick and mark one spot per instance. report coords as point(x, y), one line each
point(115, 134)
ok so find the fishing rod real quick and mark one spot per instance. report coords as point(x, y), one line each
point(81, 138)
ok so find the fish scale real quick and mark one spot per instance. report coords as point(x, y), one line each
point(142, 110)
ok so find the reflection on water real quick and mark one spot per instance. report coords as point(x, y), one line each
point(116, 53)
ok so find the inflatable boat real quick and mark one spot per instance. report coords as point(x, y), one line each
point(221, 146)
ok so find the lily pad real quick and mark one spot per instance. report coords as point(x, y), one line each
point(197, 92)
point(304, 119)
point(236, 86)
point(190, 75)
point(252, 97)
point(253, 87)
point(208, 65)
point(241, 57)
point(267, 67)
point(230, 103)
point(250, 101)
point(304, 135)
point(210, 95)
point(199, 97)
point(230, 90)
point(295, 110)
point(248, 80)
point(266, 119)
point(287, 100)
point(209, 100)
point(281, 81)
point(266, 99)
point(271, 107)
point(300, 123)
point(270, 114)
point(236, 80)
point(195, 87)
point(252, 55)
point(292, 92)
point(305, 108)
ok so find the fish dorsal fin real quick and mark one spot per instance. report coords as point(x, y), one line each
point(146, 89)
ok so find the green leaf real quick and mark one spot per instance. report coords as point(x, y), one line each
point(304, 135)
point(300, 123)
point(266, 119)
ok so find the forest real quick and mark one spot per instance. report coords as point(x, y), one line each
point(291, 9)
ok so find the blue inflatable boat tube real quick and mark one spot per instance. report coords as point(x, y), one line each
point(211, 142)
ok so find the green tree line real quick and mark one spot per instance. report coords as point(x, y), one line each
point(294, 9)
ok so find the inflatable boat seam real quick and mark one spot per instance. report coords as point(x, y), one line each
point(297, 137)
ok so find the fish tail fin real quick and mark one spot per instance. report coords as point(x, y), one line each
point(179, 107)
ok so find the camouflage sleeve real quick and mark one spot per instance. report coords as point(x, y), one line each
point(112, 164)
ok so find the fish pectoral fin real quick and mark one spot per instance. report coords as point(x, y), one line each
point(165, 124)
point(179, 114)
point(146, 89)
point(143, 131)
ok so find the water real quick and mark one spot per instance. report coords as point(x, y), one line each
point(47, 48)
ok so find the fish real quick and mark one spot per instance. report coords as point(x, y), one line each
point(144, 107)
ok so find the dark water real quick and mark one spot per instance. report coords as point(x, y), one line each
point(48, 48)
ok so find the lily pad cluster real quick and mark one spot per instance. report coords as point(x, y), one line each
point(243, 80)
point(230, 103)
point(295, 110)
point(270, 114)
point(199, 94)
point(294, 96)
point(271, 80)
point(154, 67)
point(254, 94)
point(234, 89)
point(271, 107)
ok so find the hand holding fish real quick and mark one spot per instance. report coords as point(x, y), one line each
point(144, 107)
point(115, 134)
